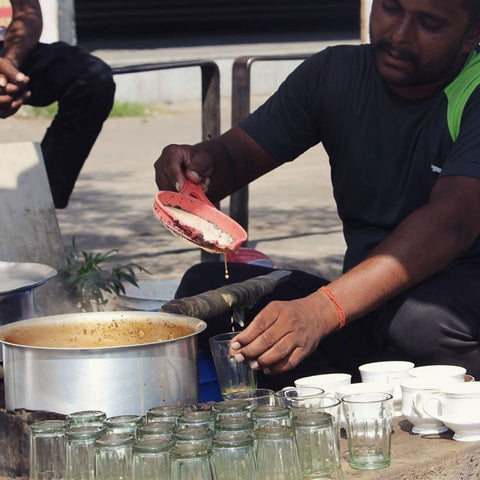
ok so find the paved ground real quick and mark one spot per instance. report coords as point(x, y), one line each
point(293, 217)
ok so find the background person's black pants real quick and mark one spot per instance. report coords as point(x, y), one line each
point(84, 88)
point(436, 322)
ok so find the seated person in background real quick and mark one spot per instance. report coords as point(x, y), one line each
point(39, 74)
point(400, 121)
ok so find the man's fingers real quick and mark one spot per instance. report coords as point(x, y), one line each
point(288, 363)
point(11, 73)
point(170, 166)
point(278, 351)
point(257, 327)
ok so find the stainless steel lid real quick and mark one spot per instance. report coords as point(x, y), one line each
point(17, 277)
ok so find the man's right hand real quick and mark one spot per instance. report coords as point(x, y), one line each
point(13, 84)
point(179, 163)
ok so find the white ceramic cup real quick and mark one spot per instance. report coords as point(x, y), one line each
point(457, 406)
point(387, 372)
point(415, 391)
point(328, 381)
point(452, 372)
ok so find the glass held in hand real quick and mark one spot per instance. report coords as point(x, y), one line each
point(232, 376)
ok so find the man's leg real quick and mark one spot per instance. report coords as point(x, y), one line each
point(438, 321)
point(84, 88)
point(342, 351)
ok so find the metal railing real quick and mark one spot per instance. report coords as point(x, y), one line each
point(210, 89)
point(241, 82)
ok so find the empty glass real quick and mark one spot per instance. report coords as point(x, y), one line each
point(163, 414)
point(326, 403)
point(270, 415)
point(123, 424)
point(258, 397)
point(232, 375)
point(368, 418)
point(233, 457)
point(159, 430)
point(86, 417)
point(234, 424)
point(190, 462)
point(317, 446)
point(232, 408)
point(48, 450)
point(197, 419)
point(277, 457)
point(193, 436)
point(151, 459)
point(113, 456)
point(81, 451)
point(298, 397)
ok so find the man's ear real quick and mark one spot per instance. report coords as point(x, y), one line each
point(472, 39)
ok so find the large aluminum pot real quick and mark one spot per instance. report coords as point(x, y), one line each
point(75, 369)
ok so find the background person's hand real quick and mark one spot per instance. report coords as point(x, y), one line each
point(285, 333)
point(177, 163)
point(13, 84)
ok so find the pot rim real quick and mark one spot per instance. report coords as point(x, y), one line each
point(196, 323)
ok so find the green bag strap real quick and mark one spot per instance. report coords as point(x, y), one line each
point(459, 91)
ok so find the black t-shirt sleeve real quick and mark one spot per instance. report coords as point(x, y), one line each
point(287, 124)
point(464, 157)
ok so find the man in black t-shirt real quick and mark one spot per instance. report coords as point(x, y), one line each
point(400, 121)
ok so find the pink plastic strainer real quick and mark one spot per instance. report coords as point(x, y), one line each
point(189, 214)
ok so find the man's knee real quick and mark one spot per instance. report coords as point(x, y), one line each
point(430, 331)
point(94, 85)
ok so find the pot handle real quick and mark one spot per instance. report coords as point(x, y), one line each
point(236, 295)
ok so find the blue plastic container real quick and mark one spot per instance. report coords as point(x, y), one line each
point(207, 378)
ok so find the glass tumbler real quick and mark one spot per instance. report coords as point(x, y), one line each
point(326, 403)
point(86, 417)
point(317, 446)
point(126, 424)
point(258, 397)
point(151, 459)
point(159, 430)
point(163, 414)
point(81, 451)
point(233, 457)
point(193, 436)
point(234, 424)
point(300, 397)
point(232, 408)
point(48, 450)
point(270, 415)
point(113, 456)
point(197, 419)
point(232, 375)
point(369, 418)
point(276, 451)
point(191, 462)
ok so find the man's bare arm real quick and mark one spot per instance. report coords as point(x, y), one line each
point(222, 165)
point(23, 32)
point(284, 333)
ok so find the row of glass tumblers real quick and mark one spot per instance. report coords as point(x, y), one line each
point(229, 442)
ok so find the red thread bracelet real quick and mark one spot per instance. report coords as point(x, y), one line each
point(338, 308)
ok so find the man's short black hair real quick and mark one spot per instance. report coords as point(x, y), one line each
point(473, 8)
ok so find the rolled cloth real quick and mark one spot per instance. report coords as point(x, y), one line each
point(236, 295)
